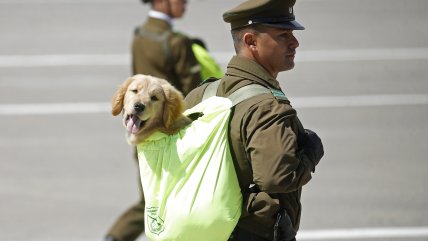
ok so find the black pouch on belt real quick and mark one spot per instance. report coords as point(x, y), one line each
point(283, 229)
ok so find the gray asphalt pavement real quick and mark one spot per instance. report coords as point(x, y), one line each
point(66, 171)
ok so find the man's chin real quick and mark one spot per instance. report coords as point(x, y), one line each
point(288, 66)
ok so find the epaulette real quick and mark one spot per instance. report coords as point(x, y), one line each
point(278, 94)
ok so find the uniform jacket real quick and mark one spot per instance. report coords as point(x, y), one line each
point(264, 132)
point(174, 62)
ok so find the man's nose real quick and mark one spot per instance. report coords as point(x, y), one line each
point(294, 43)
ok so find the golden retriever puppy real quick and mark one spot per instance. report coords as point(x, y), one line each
point(149, 104)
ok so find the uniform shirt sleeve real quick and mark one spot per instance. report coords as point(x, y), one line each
point(186, 66)
point(270, 138)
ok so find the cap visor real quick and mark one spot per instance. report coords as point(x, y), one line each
point(286, 25)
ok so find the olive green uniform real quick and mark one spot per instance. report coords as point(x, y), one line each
point(171, 58)
point(160, 52)
point(264, 133)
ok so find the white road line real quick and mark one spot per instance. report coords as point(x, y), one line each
point(55, 108)
point(64, 60)
point(359, 100)
point(367, 233)
point(221, 57)
point(361, 54)
point(59, 1)
point(298, 103)
point(334, 234)
point(95, 1)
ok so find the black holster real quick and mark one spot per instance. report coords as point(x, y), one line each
point(283, 229)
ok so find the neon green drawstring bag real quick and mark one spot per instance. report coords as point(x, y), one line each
point(189, 181)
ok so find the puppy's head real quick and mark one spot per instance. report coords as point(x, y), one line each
point(148, 104)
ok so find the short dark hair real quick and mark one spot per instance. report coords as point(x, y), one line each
point(238, 34)
point(146, 1)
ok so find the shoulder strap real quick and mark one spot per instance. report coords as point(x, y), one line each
point(247, 92)
point(238, 95)
point(211, 89)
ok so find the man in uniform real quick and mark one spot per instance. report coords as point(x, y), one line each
point(274, 155)
point(158, 51)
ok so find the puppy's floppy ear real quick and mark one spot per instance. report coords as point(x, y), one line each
point(174, 105)
point(117, 101)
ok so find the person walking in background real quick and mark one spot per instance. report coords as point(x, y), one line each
point(159, 51)
point(274, 156)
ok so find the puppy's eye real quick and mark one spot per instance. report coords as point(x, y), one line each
point(154, 98)
point(135, 91)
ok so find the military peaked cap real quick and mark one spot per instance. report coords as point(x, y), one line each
point(274, 13)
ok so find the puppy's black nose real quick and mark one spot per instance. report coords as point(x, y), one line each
point(138, 107)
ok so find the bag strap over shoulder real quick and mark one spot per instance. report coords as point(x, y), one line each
point(238, 95)
point(247, 92)
point(211, 89)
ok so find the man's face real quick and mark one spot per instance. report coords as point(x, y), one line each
point(276, 49)
point(178, 8)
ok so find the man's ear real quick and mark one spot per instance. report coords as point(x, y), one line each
point(250, 40)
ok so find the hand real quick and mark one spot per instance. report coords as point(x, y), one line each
point(312, 146)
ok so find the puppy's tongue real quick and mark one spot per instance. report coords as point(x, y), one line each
point(133, 124)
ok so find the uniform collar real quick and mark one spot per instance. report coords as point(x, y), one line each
point(161, 16)
point(156, 24)
point(249, 69)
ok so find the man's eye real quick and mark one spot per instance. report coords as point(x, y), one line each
point(154, 98)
